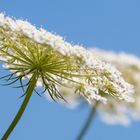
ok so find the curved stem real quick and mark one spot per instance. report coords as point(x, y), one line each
point(87, 123)
point(29, 91)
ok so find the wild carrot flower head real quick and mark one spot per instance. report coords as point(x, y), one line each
point(26, 50)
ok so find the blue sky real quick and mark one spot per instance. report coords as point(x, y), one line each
point(107, 24)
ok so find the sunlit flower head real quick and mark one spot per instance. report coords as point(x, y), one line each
point(26, 50)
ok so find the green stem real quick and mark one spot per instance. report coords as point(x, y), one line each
point(29, 91)
point(87, 123)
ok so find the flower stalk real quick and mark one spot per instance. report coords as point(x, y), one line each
point(30, 89)
point(88, 122)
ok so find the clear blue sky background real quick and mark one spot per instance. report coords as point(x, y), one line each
point(108, 24)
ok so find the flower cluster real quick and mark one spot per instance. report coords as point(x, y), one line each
point(129, 65)
point(26, 50)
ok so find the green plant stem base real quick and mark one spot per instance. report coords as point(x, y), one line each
point(29, 91)
point(87, 123)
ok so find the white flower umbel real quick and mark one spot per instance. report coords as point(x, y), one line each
point(26, 49)
point(129, 65)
